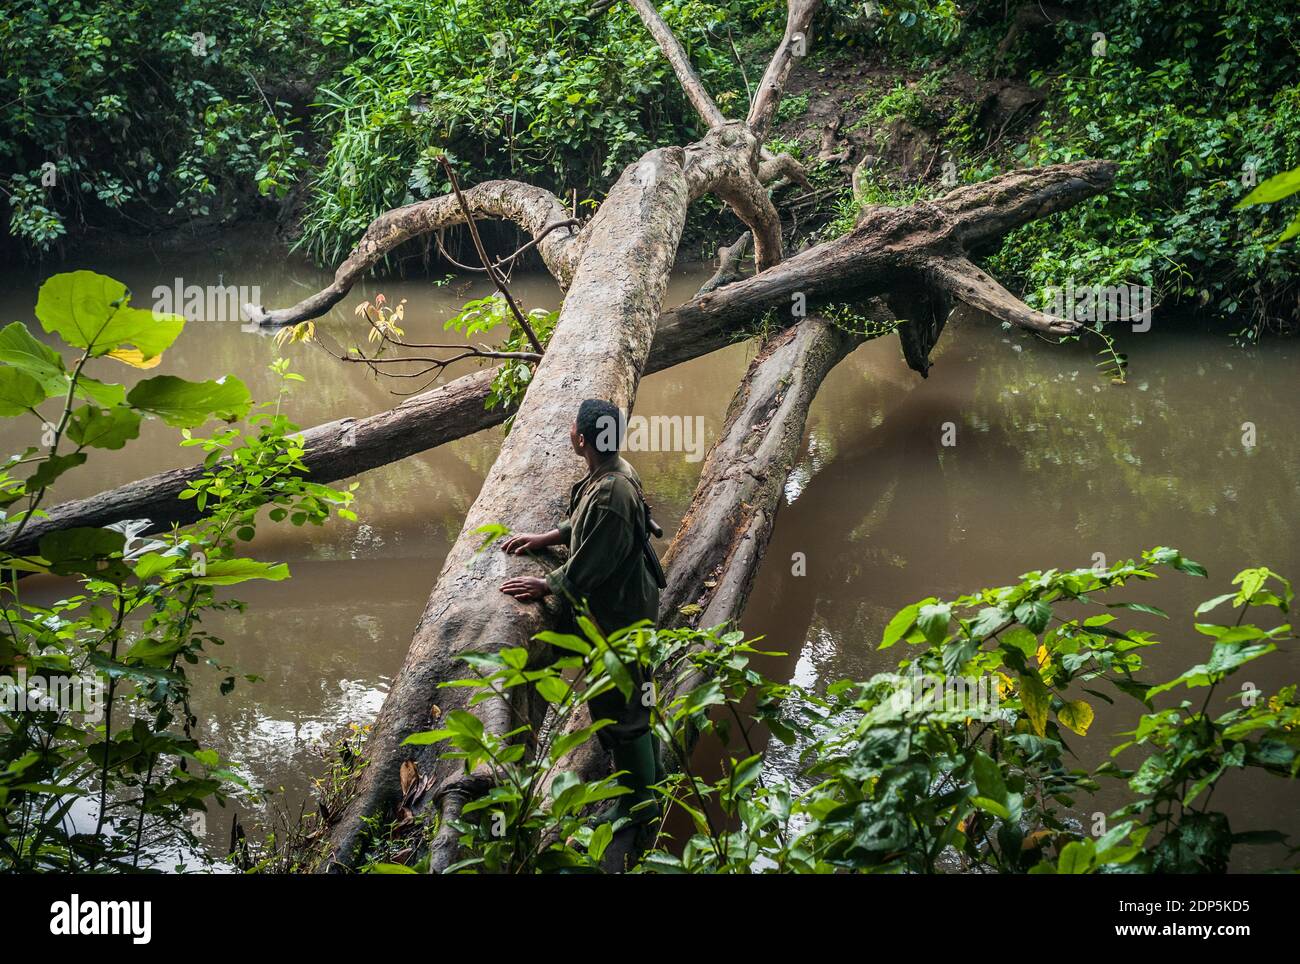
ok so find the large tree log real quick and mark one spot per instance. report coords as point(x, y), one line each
point(713, 559)
point(600, 346)
point(925, 246)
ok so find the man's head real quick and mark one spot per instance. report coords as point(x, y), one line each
point(598, 430)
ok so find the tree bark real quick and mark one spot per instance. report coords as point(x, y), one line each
point(600, 346)
point(712, 561)
point(922, 249)
point(534, 209)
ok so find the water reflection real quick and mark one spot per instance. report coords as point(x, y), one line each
point(1052, 464)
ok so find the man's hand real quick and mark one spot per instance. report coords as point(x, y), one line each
point(523, 542)
point(525, 588)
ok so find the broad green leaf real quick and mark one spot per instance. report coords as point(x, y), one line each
point(52, 468)
point(19, 392)
point(988, 779)
point(600, 840)
point(186, 404)
point(552, 688)
point(1034, 615)
point(745, 773)
point(618, 673)
point(899, 626)
point(427, 737)
point(1273, 189)
point(152, 563)
point(150, 649)
point(1230, 634)
point(987, 621)
point(80, 544)
point(105, 428)
point(1017, 637)
point(564, 641)
point(1209, 604)
point(1076, 857)
point(227, 572)
point(989, 805)
point(92, 311)
point(933, 620)
point(20, 349)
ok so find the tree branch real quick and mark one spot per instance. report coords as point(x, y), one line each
point(534, 209)
point(799, 17)
point(692, 86)
point(966, 282)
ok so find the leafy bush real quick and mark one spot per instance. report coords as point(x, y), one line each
point(523, 89)
point(958, 761)
point(101, 768)
point(1196, 100)
point(115, 114)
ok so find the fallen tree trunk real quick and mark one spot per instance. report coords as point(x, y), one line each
point(712, 561)
point(600, 346)
point(921, 249)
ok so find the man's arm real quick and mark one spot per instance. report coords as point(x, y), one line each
point(523, 542)
point(606, 543)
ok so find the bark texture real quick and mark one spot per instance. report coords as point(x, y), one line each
point(920, 253)
point(532, 208)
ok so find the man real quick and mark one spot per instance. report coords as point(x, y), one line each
point(612, 569)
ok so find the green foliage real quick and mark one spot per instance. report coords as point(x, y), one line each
point(520, 88)
point(1196, 100)
point(132, 622)
point(513, 376)
point(140, 110)
point(791, 107)
point(958, 761)
point(1276, 188)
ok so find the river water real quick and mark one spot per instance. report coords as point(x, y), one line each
point(1052, 464)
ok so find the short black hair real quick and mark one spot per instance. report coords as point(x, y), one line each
point(601, 424)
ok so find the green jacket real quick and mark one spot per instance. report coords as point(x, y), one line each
point(606, 566)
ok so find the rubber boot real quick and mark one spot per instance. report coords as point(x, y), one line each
point(637, 758)
point(657, 751)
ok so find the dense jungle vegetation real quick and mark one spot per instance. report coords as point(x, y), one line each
point(147, 120)
point(135, 115)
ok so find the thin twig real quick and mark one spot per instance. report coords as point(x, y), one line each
point(484, 260)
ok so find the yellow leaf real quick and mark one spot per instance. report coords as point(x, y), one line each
point(134, 357)
point(1043, 656)
point(1036, 700)
point(1076, 715)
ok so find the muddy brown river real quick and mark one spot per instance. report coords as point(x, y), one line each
point(1052, 464)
